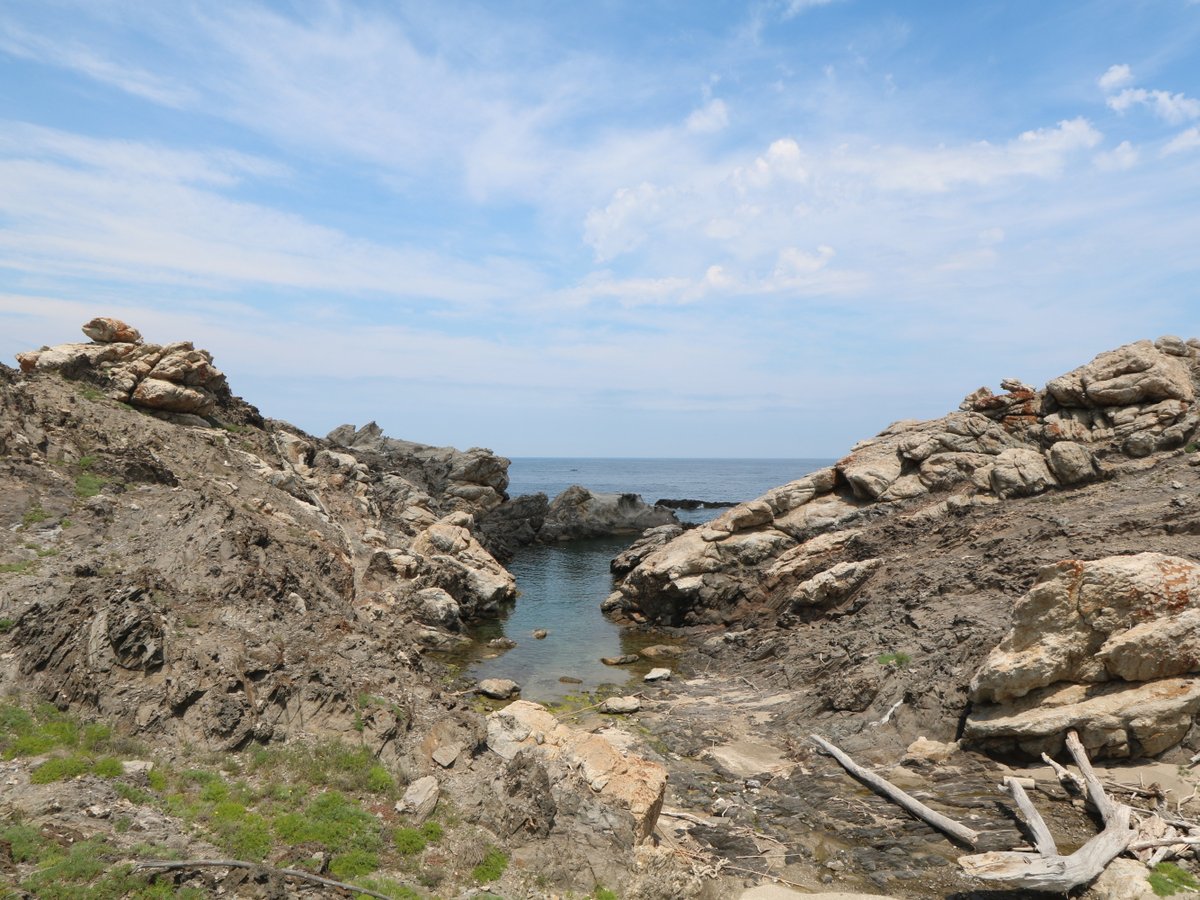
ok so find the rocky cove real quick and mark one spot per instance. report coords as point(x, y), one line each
point(256, 627)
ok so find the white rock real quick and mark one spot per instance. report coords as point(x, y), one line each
point(657, 675)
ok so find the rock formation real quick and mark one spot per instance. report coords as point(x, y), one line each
point(580, 513)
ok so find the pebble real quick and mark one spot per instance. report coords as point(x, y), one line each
point(657, 675)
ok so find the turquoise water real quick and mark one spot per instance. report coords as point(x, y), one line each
point(562, 585)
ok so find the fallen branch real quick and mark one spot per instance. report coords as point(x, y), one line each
point(242, 864)
point(945, 824)
point(1059, 874)
point(1043, 841)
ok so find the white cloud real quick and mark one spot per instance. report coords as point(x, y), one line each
point(1172, 108)
point(1123, 156)
point(87, 61)
point(713, 116)
point(1115, 77)
point(1184, 141)
point(793, 8)
point(783, 161)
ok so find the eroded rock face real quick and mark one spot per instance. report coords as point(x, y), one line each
point(105, 330)
point(1128, 623)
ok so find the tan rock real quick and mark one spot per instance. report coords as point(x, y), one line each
point(1135, 373)
point(1080, 623)
point(835, 584)
point(1072, 463)
point(105, 330)
point(165, 395)
point(1114, 720)
point(1020, 473)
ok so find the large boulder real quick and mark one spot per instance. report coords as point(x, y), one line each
point(1135, 373)
point(1123, 630)
point(105, 330)
point(582, 764)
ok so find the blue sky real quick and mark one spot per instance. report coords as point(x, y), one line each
point(608, 228)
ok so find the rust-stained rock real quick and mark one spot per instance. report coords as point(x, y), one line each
point(106, 330)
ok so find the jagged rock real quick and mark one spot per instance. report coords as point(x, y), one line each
point(104, 330)
point(513, 524)
point(650, 540)
point(580, 513)
point(155, 393)
point(448, 556)
point(498, 688)
point(1020, 473)
point(436, 607)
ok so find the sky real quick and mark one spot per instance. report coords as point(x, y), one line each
point(644, 228)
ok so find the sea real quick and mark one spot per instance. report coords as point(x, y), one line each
point(561, 586)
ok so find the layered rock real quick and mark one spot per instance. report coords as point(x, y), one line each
point(1125, 404)
point(1127, 624)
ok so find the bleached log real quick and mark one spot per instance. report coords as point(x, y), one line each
point(1095, 789)
point(1043, 841)
point(885, 788)
point(1057, 874)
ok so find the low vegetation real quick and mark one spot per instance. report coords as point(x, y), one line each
point(324, 807)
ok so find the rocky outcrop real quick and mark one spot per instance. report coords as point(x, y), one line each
point(1124, 405)
point(1126, 623)
point(580, 513)
point(584, 766)
point(175, 381)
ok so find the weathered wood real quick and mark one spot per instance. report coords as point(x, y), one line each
point(1043, 841)
point(242, 864)
point(1066, 778)
point(885, 788)
point(1057, 874)
point(1095, 789)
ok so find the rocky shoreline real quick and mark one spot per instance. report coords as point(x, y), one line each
point(945, 603)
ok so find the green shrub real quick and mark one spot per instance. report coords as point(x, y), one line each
point(900, 660)
point(389, 887)
point(248, 837)
point(410, 841)
point(26, 842)
point(88, 484)
point(6, 625)
point(353, 863)
point(1167, 879)
point(380, 781)
point(108, 767)
point(157, 780)
point(432, 832)
point(603, 893)
point(492, 867)
point(34, 515)
point(59, 769)
point(17, 568)
point(332, 820)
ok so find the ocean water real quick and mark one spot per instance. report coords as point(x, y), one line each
point(563, 585)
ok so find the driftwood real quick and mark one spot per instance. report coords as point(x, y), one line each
point(1046, 870)
point(1043, 840)
point(945, 824)
point(297, 874)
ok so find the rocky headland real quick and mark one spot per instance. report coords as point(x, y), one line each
point(218, 588)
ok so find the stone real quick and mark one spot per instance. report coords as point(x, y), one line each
point(661, 651)
point(105, 330)
point(446, 755)
point(540, 634)
point(136, 767)
point(626, 660)
point(1020, 473)
point(621, 705)
point(436, 607)
point(834, 585)
point(925, 750)
point(1072, 463)
point(1122, 879)
point(657, 675)
point(156, 393)
point(498, 688)
point(420, 798)
point(502, 643)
